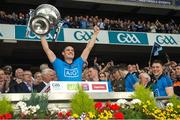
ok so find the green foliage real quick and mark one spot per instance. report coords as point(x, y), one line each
point(41, 100)
point(130, 113)
point(82, 103)
point(144, 94)
point(5, 106)
point(176, 103)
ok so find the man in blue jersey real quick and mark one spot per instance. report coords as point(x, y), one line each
point(69, 70)
point(127, 79)
point(162, 84)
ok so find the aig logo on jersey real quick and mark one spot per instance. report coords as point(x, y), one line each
point(71, 72)
point(164, 39)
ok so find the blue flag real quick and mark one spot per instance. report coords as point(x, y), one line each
point(156, 49)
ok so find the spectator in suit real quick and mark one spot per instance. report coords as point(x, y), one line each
point(26, 86)
point(47, 76)
point(37, 78)
point(19, 76)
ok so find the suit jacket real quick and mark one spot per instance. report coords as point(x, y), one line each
point(23, 88)
point(13, 86)
point(39, 87)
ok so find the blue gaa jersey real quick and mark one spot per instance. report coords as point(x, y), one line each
point(130, 80)
point(159, 87)
point(68, 72)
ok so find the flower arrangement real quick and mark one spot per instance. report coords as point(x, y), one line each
point(54, 112)
point(84, 108)
point(160, 114)
point(34, 107)
point(6, 109)
point(131, 107)
point(108, 111)
point(103, 111)
point(26, 111)
point(141, 106)
point(149, 108)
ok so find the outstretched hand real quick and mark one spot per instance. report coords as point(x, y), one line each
point(96, 29)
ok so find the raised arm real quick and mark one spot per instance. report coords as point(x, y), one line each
point(51, 56)
point(90, 44)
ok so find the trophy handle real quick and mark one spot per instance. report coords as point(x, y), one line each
point(58, 29)
point(31, 14)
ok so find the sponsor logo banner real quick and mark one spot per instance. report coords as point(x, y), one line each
point(21, 35)
point(57, 86)
point(83, 36)
point(99, 87)
point(172, 40)
point(7, 31)
point(75, 87)
point(130, 38)
point(60, 86)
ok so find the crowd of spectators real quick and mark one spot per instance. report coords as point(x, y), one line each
point(120, 77)
point(87, 22)
point(13, 18)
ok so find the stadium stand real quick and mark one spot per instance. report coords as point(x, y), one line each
point(113, 60)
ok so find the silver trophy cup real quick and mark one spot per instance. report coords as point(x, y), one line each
point(43, 19)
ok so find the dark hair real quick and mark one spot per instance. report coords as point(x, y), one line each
point(68, 46)
point(157, 61)
point(114, 69)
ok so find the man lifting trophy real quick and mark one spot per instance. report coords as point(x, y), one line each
point(44, 19)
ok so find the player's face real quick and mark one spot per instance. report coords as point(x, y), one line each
point(157, 69)
point(68, 52)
